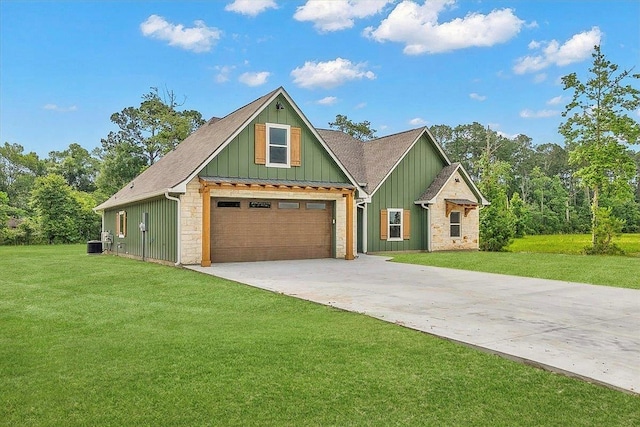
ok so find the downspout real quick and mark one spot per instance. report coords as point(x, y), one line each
point(363, 206)
point(179, 232)
point(426, 206)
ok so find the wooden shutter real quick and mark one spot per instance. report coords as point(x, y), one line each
point(295, 146)
point(384, 224)
point(261, 144)
point(117, 224)
point(406, 224)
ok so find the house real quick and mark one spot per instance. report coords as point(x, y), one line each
point(263, 184)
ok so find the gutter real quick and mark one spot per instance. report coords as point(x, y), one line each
point(179, 228)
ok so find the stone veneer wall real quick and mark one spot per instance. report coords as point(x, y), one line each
point(191, 216)
point(469, 226)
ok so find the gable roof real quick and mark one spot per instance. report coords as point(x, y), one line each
point(444, 176)
point(373, 161)
point(174, 170)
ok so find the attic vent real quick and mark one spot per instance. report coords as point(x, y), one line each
point(131, 186)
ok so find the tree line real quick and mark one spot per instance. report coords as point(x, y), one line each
point(590, 184)
point(51, 200)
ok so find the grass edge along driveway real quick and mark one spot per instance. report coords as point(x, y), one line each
point(622, 272)
point(101, 340)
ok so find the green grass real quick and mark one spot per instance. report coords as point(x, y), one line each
point(101, 340)
point(571, 243)
point(622, 272)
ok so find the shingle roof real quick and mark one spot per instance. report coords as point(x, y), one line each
point(439, 182)
point(349, 150)
point(176, 166)
point(370, 162)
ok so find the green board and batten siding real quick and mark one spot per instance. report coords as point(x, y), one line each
point(401, 189)
point(162, 228)
point(236, 160)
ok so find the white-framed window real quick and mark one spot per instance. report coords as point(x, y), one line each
point(121, 224)
point(394, 224)
point(278, 145)
point(454, 224)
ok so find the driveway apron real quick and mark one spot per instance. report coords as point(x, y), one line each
point(587, 331)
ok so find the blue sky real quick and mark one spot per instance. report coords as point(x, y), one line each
point(65, 67)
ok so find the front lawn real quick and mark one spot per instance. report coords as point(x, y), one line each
point(571, 243)
point(623, 272)
point(101, 340)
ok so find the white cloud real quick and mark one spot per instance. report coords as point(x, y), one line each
point(251, 7)
point(337, 15)
point(327, 100)
point(254, 79)
point(576, 49)
point(557, 100)
point(360, 106)
point(198, 38)
point(539, 78)
point(418, 121)
point(223, 72)
point(477, 97)
point(418, 28)
point(55, 107)
point(530, 114)
point(329, 74)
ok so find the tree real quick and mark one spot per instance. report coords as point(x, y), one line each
point(361, 131)
point(144, 134)
point(597, 131)
point(65, 215)
point(496, 221)
point(18, 171)
point(76, 165)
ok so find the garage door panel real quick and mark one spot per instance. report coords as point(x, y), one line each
point(262, 234)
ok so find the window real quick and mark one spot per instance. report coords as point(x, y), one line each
point(288, 205)
point(316, 205)
point(278, 153)
point(228, 204)
point(121, 224)
point(259, 205)
point(395, 224)
point(454, 221)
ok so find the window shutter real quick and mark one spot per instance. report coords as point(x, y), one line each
point(384, 224)
point(295, 146)
point(261, 144)
point(406, 224)
point(117, 224)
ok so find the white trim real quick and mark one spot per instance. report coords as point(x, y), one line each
point(287, 164)
point(438, 147)
point(389, 212)
point(181, 186)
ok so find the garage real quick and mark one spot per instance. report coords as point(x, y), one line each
point(267, 230)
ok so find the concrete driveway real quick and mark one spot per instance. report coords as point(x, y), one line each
point(591, 332)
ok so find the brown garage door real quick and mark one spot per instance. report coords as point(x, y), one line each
point(265, 230)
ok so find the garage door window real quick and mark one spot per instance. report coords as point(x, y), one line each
point(288, 205)
point(316, 205)
point(260, 205)
point(278, 145)
point(227, 204)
